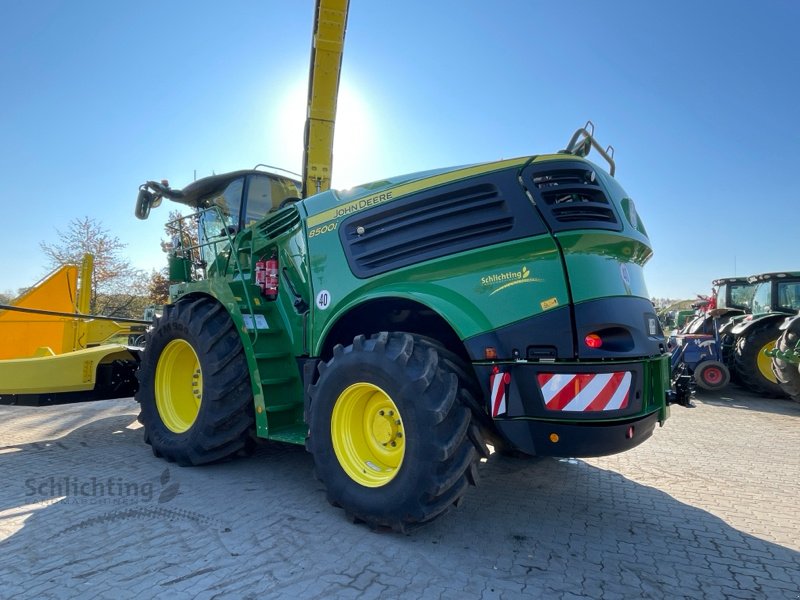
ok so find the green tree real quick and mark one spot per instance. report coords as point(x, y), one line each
point(159, 286)
point(181, 232)
point(118, 288)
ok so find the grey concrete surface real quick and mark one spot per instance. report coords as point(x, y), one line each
point(707, 508)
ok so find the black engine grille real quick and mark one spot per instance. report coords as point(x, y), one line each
point(572, 198)
point(439, 222)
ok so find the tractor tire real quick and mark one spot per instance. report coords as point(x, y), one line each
point(712, 375)
point(194, 385)
point(391, 430)
point(754, 368)
point(787, 373)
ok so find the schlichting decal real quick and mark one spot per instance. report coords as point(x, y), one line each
point(508, 279)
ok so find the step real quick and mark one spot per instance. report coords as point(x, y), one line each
point(293, 434)
point(271, 355)
point(277, 380)
point(276, 408)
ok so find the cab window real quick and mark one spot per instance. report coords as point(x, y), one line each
point(259, 199)
point(741, 295)
point(789, 295)
point(216, 226)
point(229, 202)
point(761, 299)
point(266, 193)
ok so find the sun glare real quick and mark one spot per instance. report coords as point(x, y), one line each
point(353, 140)
point(354, 146)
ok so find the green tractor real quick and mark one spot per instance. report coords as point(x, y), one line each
point(400, 328)
point(774, 297)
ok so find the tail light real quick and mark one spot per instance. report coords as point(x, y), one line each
point(593, 340)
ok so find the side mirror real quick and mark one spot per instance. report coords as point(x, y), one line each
point(144, 202)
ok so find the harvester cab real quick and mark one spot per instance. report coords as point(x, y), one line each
point(241, 197)
point(224, 205)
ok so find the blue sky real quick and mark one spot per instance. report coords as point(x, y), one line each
point(699, 100)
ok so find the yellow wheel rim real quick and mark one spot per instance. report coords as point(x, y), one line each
point(368, 435)
point(765, 362)
point(178, 386)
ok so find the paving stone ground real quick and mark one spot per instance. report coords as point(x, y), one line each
point(707, 508)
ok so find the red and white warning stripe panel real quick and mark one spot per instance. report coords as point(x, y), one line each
point(498, 382)
point(585, 392)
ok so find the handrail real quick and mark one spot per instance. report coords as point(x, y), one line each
point(582, 142)
point(226, 236)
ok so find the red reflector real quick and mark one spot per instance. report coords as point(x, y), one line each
point(593, 340)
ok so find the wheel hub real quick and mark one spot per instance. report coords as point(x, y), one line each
point(178, 386)
point(385, 428)
point(367, 434)
point(764, 362)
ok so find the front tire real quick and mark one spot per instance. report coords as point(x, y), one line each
point(712, 375)
point(390, 431)
point(194, 385)
point(787, 373)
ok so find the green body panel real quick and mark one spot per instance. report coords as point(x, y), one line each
point(475, 291)
point(603, 264)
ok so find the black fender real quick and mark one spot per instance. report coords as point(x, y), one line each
point(766, 320)
point(788, 322)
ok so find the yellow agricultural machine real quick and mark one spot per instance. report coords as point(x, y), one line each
point(53, 352)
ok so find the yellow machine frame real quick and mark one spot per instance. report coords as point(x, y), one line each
point(46, 353)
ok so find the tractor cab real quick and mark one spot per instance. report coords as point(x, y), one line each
point(775, 293)
point(733, 293)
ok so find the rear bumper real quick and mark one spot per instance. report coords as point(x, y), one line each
point(576, 409)
point(576, 439)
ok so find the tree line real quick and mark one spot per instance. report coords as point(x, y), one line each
point(119, 289)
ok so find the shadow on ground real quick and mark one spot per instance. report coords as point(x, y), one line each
point(733, 396)
point(261, 527)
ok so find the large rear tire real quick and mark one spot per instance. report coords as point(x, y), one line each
point(787, 373)
point(391, 431)
point(194, 385)
point(753, 367)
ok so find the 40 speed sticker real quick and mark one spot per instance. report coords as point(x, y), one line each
point(323, 299)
